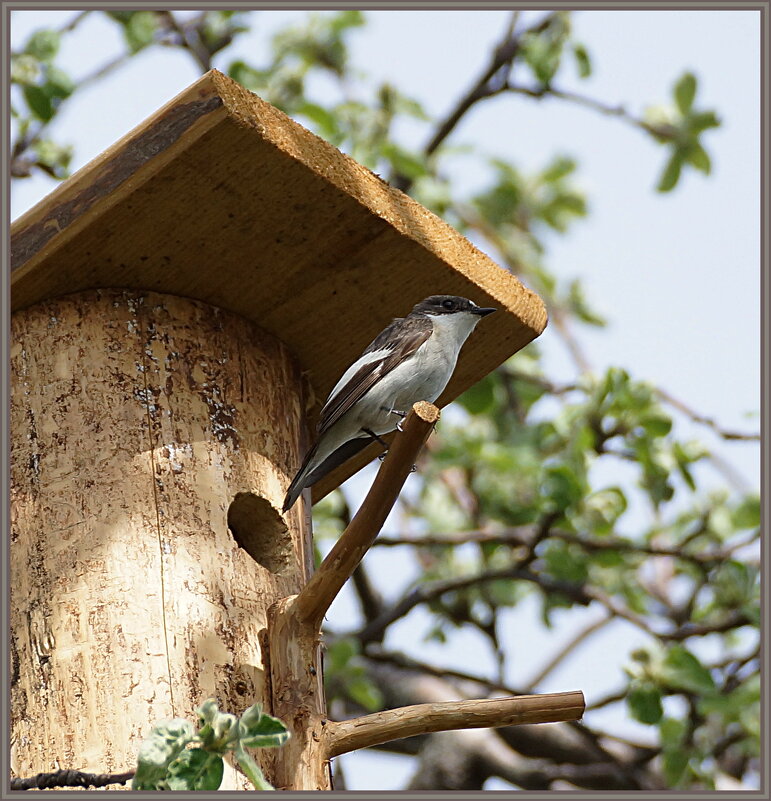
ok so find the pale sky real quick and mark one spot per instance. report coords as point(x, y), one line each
point(677, 275)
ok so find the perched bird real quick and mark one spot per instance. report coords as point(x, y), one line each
point(409, 361)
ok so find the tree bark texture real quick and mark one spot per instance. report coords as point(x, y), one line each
point(153, 439)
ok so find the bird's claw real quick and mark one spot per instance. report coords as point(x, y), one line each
point(402, 415)
point(414, 469)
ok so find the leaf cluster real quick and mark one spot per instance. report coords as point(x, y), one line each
point(680, 127)
point(42, 87)
point(175, 756)
point(722, 719)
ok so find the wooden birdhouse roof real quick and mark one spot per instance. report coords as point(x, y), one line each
point(221, 197)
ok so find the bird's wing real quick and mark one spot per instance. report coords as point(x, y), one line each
point(396, 342)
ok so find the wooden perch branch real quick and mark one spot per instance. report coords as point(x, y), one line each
point(394, 724)
point(293, 657)
point(314, 599)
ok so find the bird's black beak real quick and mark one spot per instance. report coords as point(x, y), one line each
point(482, 312)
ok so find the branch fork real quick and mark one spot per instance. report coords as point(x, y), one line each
point(294, 658)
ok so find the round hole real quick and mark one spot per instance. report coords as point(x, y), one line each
point(260, 530)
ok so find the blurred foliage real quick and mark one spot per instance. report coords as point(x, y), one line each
point(556, 478)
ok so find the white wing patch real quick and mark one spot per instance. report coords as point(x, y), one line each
point(367, 358)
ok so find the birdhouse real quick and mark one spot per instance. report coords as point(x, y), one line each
point(182, 306)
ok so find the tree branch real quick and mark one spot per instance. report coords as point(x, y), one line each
point(662, 131)
point(69, 778)
point(314, 599)
point(710, 422)
point(409, 721)
point(492, 81)
point(400, 660)
point(427, 592)
point(524, 536)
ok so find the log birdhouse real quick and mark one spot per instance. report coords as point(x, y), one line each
point(181, 307)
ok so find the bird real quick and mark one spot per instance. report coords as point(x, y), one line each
point(411, 360)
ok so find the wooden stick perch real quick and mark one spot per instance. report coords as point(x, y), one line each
point(311, 604)
point(408, 721)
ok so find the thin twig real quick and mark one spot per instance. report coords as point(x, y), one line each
point(492, 81)
point(189, 37)
point(566, 649)
point(74, 22)
point(377, 654)
point(524, 536)
point(619, 111)
point(606, 700)
point(428, 592)
point(734, 620)
point(710, 422)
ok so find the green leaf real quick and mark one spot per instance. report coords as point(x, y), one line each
point(218, 729)
point(583, 61)
point(346, 19)
point(604, 507)
point(747, 513)
point(251, 769)
point(479, 398)
point(58, 83)
point(39, 102)
point(140, 30)
point(674, 764)
point(258, 730)
point(52, 157)
point(681, 670)
point(565, 562)
point(644, 702)
point(562, 486)
point(365, 693)
point(577, 304)
point(326, 122)
point(671, 174)
point(250, 78)
point(163, 745)
point(43, 44)
point(25, 69)
point(672, 731)
point(702, 120)
point(196, 769)
point(683, 459)
point(735, 583)
point(656, 425)
point(560, 167)
point(685, 92)
point(340, 653)
point(699, 158)
point(120, 16)
point(405, 163)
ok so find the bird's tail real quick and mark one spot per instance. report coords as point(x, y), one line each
point(307, 475)
point(298, 482)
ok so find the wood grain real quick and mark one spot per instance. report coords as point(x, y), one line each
point(409, 721)
point(136, 419)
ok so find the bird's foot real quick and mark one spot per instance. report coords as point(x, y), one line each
point(414, 469)
point(402, 415)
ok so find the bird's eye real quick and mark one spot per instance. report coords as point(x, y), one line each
point(448, 304)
